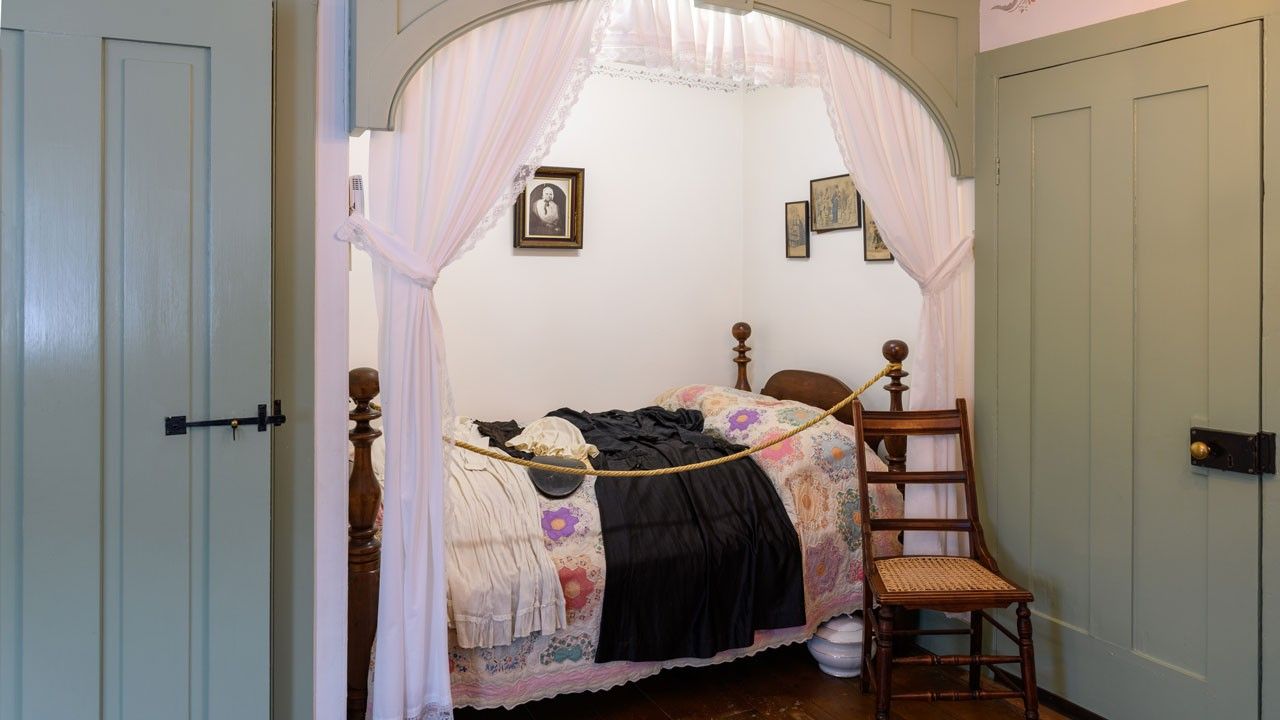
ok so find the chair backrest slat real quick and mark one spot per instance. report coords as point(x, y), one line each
point(931, 477)
point(929, 422)
point(940, 524)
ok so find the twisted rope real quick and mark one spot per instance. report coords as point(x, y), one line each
point(654, 472)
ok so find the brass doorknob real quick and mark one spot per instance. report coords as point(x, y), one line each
point(1200, 450)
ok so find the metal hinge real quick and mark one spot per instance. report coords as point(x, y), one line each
point(1249, 453)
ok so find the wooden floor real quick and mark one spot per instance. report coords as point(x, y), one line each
point(782, 684)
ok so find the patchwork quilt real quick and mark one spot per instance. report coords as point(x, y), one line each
point(815, 474)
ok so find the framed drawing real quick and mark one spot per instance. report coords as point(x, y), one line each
point(835, 204)
point(873, 247)
point(797, 215)
point(549, 211)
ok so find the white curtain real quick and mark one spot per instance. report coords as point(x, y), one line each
point(476, 121)
point(899, 161)
point(473, 124)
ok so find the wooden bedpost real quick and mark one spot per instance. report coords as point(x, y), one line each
point(742, 331)
point(364, 550)
point(895, 447)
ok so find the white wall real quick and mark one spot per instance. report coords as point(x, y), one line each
point(645, 305)
point(683, 237)
point(1024, 20)
point(832, 311)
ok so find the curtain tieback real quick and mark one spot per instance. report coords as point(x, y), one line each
point(940, 278)
point(385, 247)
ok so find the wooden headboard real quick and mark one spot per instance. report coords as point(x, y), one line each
point(822, 391)
point(364, 549)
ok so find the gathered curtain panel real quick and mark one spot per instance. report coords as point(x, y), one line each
point(899, 161)
point(476, 121)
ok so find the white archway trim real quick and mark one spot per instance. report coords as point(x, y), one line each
point(477, 121)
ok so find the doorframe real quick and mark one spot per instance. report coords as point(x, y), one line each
point(1126, 33)
point(309, 478)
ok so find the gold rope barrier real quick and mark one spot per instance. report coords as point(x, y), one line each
point(496, 455)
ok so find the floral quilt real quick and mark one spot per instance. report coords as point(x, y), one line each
point(815, 474)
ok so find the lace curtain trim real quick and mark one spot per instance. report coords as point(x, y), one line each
point(668, 77)
point(678, 67)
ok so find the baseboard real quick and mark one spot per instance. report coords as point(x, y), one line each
point(1054, 702)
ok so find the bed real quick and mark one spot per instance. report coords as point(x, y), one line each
point(814, 474)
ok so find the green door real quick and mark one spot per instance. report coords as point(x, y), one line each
point(134, 285)
point(1126, 297)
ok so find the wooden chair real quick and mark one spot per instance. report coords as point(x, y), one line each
point(970, 584)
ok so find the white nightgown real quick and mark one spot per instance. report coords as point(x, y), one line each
point(502, 583)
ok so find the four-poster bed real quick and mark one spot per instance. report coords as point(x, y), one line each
point(813, 389)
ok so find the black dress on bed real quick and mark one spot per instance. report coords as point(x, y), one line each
point(695, 562)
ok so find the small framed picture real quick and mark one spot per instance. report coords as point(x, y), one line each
point(873, 247)
point(835, 204)
point(549, 211)
point(798, 229)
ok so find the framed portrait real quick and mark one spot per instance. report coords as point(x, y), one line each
point(797, 216)
point(834, 204)
point(873, 247)
point(549, 211)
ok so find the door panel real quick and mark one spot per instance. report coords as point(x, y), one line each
point(1127, 310)
point(136, 197)
point(155, 343)
point(60, 416)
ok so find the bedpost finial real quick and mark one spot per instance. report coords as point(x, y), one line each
point(742, 331)
point(362, 384)
point(895, 351)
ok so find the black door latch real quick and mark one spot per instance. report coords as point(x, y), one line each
point(178, 424)
point(1249, 453)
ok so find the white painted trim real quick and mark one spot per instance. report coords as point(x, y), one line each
point(330, 632)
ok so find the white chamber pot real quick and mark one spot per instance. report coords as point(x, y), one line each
point(837, 646)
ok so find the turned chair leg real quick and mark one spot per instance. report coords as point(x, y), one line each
point(975, 649)
point(884, 661)
point(1026, 650)
point(868, 619)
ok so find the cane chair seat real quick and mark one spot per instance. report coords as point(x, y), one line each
point(924, 576)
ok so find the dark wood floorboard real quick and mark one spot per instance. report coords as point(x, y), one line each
point(782, 684)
